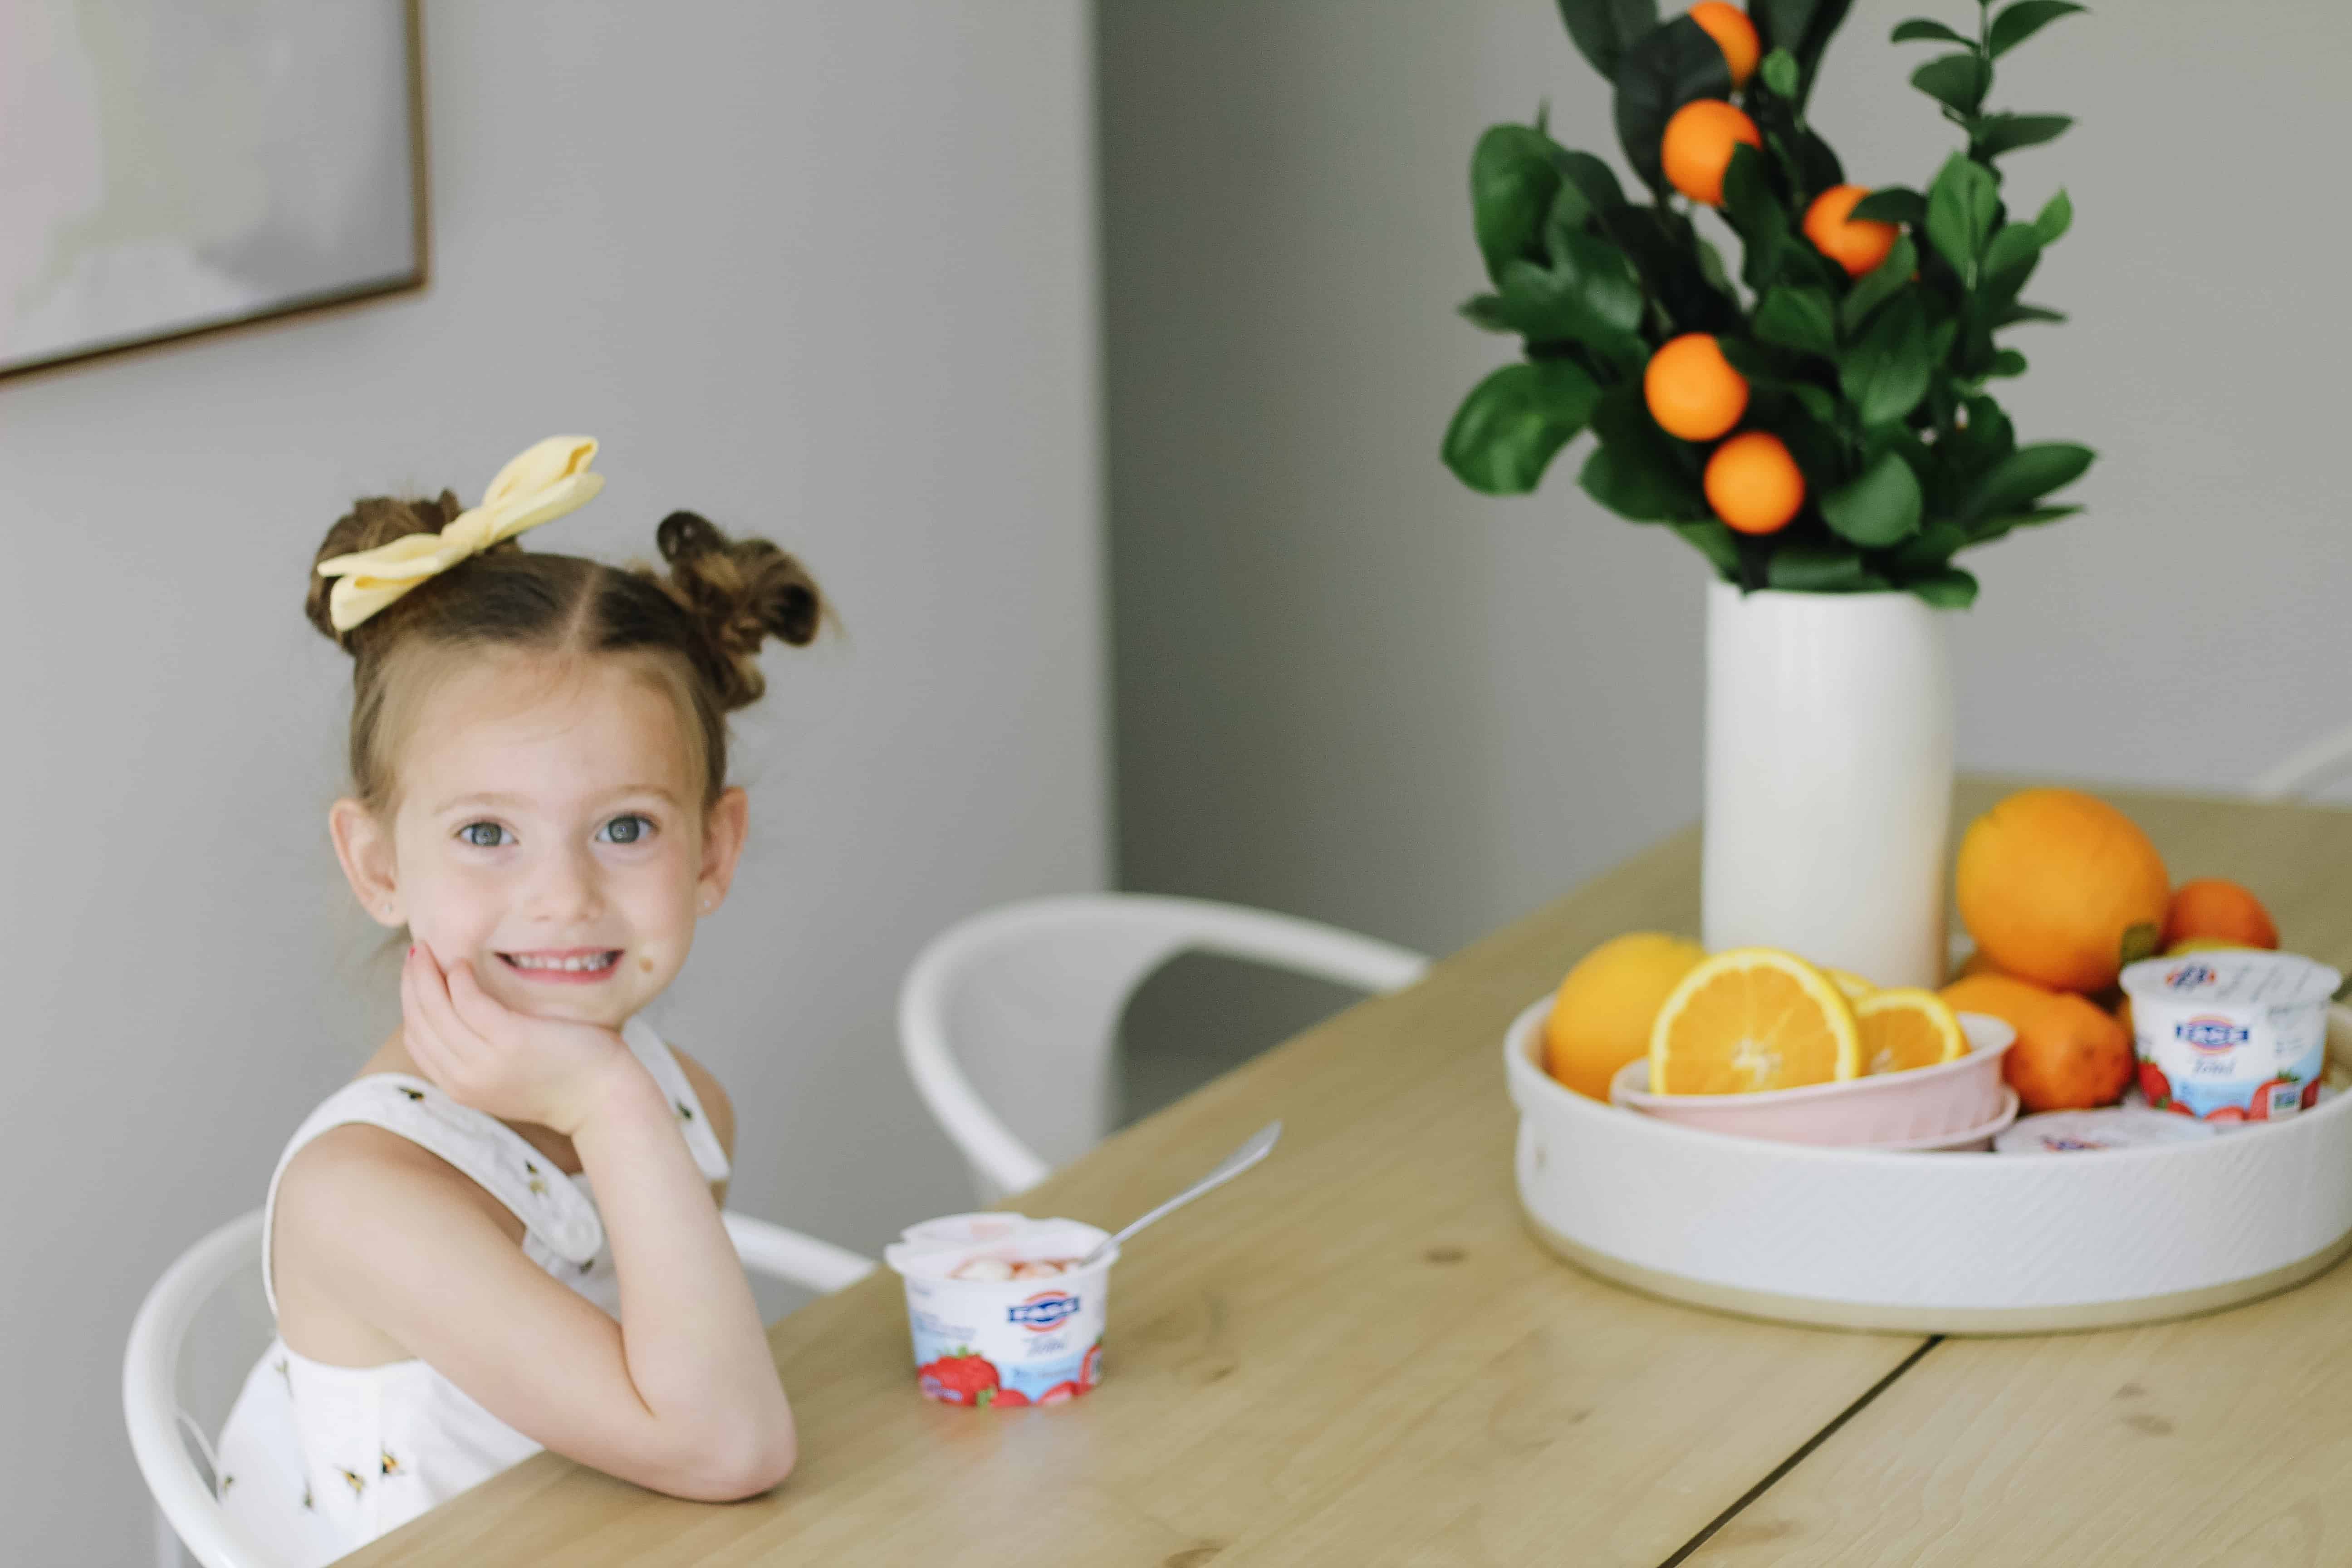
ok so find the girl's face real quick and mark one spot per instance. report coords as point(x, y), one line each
point(549, 831)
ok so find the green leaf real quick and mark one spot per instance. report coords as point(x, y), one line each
point(1754, 212)
point(1602, 28)
point(1488, 312)
point(1949, 589)
point(1878, 285)
point(2010, 260)
point(2031, 517)
point(1638, 471)
point(1588, 174)
point(1816, 402)
point(1780, 74)
point(2008, 361)
point(1513, 180)
point(1589, 295)
point(1803, 28)
point(1514, 422)
point(1890, 204)
point(1803, 568)
point(1998, 133)
point(2019, 22)
point(1975, 446)
point(2025, 476)
point(1930, 551)
point(2057, 215)
point(1662, 69)
point(1801, 318)
point(1957, 81)
point(1960, 209)
point(1885, 374)
point(2011, 315)
point(1919, 28)
point(1878, 509)
point(1665, 249)
point(1714, 542)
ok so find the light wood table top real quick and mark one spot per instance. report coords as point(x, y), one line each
point(1357, 1355)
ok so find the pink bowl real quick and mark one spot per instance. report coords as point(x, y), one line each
point(1914, 1107)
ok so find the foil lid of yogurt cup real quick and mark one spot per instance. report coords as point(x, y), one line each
point(2248, 976)
point(2090, 1131)
point(948, 1249)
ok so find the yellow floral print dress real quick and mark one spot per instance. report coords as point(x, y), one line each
point(317, 1460)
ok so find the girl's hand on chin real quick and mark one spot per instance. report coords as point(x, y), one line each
point(510, 1064)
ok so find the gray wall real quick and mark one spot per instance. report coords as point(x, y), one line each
point(824, 271)
point(1348, 686)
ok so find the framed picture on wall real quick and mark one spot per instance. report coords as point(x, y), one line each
point(174, 167)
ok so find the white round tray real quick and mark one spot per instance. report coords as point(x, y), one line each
point(1931, 1243)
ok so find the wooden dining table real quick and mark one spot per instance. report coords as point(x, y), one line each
point(1358, 1354)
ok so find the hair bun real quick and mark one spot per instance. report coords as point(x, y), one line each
point(738, 593)
point(371, 524)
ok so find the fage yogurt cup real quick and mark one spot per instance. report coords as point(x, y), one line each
point(2232, 1036)
point(983, 1338)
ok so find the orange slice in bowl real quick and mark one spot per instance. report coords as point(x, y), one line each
point(1904, 1029)
point(1753, 1018)
point(1853, 986)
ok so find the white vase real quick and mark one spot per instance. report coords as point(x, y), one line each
point(1829, 779)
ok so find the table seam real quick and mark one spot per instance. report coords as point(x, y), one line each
point(1773, 1477)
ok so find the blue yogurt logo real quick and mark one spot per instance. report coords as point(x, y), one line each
point(2211, 1033)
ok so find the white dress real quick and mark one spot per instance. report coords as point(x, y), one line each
point(318, 1460)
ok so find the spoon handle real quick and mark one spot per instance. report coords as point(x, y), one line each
point(1260, 1145)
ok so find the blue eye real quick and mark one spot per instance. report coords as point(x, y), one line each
point(485, 835)
point(629, 828)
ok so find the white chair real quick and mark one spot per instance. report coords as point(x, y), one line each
point(1027, 998)
point(2307, 774)
point(212, 1293)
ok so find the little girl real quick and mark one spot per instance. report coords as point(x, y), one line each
point(539, 797)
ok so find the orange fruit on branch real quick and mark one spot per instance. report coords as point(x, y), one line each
point(1858, 247)
point(1753, 484)
point(1734, 34)
point(1697, 147)
point(2060, 889)
point(1692, 390)
point(2211, 909)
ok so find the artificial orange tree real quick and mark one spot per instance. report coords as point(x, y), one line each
point(1825, 422)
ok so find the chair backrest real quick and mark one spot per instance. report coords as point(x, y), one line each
point(196, 1335)
point(2311, 772)
point(1010, 1019)
point(206, 1320)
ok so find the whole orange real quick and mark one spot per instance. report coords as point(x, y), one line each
point(2213, 909)
point(1601, 1014)
point(1734, 34)
point(1692, 390)
point(1856, 247)
point(2069, 1055)
point(1697, 147)
point(2060, 889)
point(1753, 484)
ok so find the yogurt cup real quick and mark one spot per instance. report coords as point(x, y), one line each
point(2231, 1037)
point(998, 1340)
point(2089, 1132)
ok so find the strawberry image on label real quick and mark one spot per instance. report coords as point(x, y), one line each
point(959, 1378)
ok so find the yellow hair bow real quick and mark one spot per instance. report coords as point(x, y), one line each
point(540, 485)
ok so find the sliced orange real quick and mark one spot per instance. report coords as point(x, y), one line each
point(1753, 1018)
point(1905, 1028)
point(1852, 986)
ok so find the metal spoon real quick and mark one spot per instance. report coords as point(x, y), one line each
point(1260, 1145)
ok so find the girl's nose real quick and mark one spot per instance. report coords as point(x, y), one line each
point(569, 889)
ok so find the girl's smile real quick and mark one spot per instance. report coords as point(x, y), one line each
point(565, 966)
